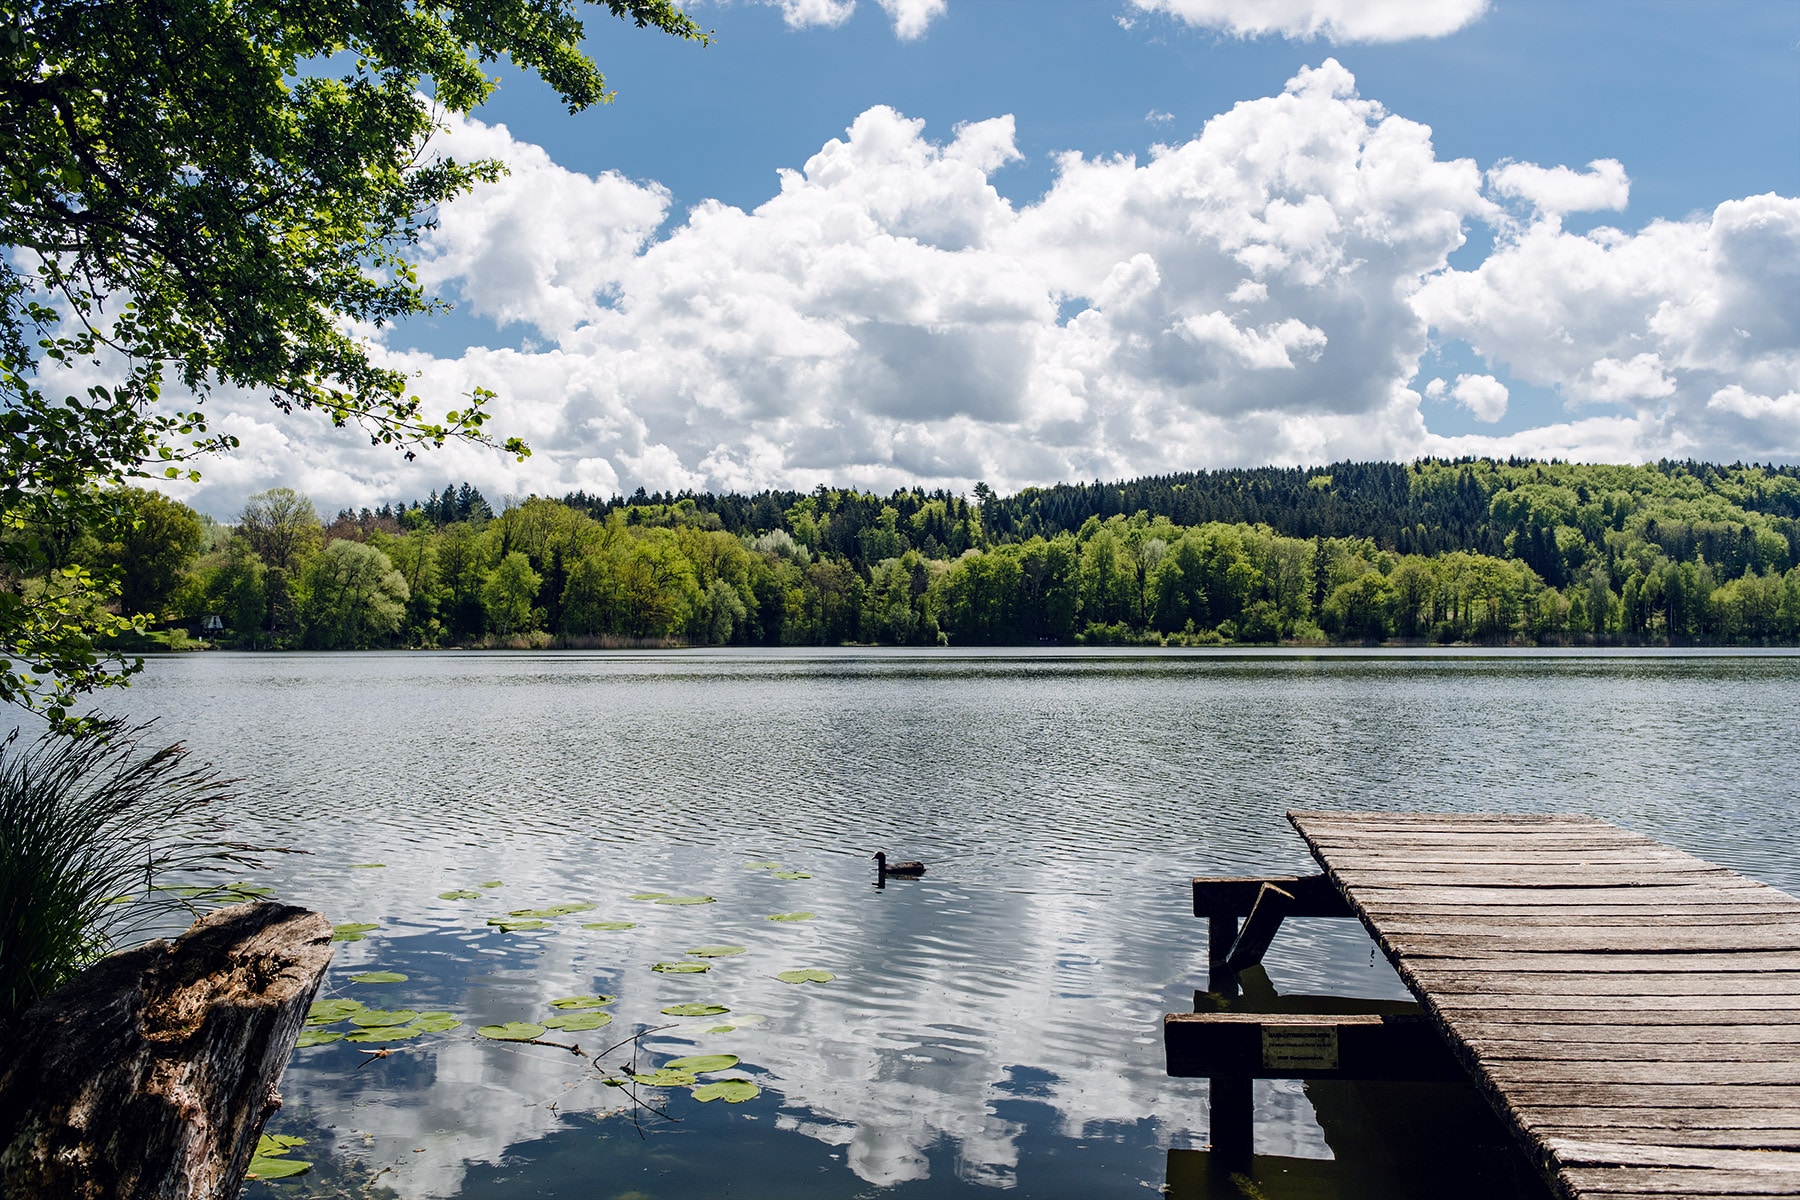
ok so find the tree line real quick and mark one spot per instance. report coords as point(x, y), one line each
point(1466, 551)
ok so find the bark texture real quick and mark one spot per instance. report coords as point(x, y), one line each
point(150, 1075)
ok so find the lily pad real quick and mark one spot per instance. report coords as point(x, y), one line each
point(582, 1001)
point(579, 1022)
point(511, 926)
point(278, 1168)
point(793, 916)
point(118, 899)
point(317, 1037)
point(438, 1022)
point(702, 1064)
point(715, 951)
point(762, 866)
point(555, 910)
point(493, 883)
point(375, 1018)
point(367, 866)
point(806, 975)
point(460, 894)
point(731, 1091)
point(695, 1010)
point(684, 900)
point(274, 1145)
point(681, 968)
point(665, 1078)
point(352, 931)
point(610, 925)
point(330, 1012)
point(646, 895)
point(378, 977)
point(512, 1031)
point(793, 874)
point(398, 1033)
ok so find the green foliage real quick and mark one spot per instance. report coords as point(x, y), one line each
point(217, 194)
point(85, 819)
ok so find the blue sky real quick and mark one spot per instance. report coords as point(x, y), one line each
point(1287, 288)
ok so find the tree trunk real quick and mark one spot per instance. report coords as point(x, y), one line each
point(149, 1075)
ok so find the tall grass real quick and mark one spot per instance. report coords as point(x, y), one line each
point(89, 825)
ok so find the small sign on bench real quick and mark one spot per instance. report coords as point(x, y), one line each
point(1300, 1047)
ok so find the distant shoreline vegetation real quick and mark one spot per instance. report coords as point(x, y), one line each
point(1470, 551)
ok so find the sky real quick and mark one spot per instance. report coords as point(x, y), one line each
point(893, 243)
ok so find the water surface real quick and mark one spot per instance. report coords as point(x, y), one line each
point(994, 1026)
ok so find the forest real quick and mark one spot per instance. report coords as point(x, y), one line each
point(1467, 551)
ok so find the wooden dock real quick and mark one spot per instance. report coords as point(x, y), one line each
point(1633, 1012)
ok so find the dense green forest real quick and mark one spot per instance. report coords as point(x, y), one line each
point(1466, 551)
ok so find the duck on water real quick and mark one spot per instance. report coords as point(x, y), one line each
point(899, 870)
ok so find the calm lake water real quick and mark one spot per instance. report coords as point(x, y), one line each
point(994, 1026)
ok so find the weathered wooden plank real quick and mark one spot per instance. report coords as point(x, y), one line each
point(1535, 1071)
point(1664, 1181)
point(1691, 1095)
point(1667, 1123)
point(1609, 891)
point(1629, 962)
point(1533, 877)
point(1577, 1152)
point(1625, 1035)
point(1770, 1007)
point(1609, 940)
point(1603, 983)
point(1576, 1048)
point(1422, 858)
point(1520, 925)
point(1534, 1010)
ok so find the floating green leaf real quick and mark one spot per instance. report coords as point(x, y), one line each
point(330, 1012)
point(270, 1159)
point(397, 1033)
point(702, 1064)
point(118, 899)
point(367, 866)
point(375, 1018)
point(579, 1022)
point(582, 1001)
point(352, 931)
point(317, 1037)
point(646, 895)
point(731, 1091)
point(510, 926)
point(610, 925)
point(806, 975)
point(277, 1168)
point(665, 1078)
point(512, 1031)
point(438, 1022)
point(793, 875)
point(684, 900)
point(378, 977)
point(555, 910)
point(715, 951)
point(493, 883)
point(695, 1010)
point(681, 968)
point(793, 916)
point(459, 894)
point(762, 866)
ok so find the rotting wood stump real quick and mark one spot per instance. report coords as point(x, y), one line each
point(150, 1075)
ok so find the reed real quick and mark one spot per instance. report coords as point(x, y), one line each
point(91, 824)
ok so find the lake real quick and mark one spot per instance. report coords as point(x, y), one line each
point(993, 1026)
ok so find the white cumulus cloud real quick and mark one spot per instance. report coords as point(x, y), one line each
point(1334, 20)
point(910, 17)
point(1262, 292)
point(1557, 190)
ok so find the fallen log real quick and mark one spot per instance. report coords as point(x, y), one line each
point(149, 1075)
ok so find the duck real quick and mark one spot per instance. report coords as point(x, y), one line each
point(908, 870)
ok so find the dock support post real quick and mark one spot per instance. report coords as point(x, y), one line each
point(1271, 908)
point(1232, 1121)
point(1221, 935)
